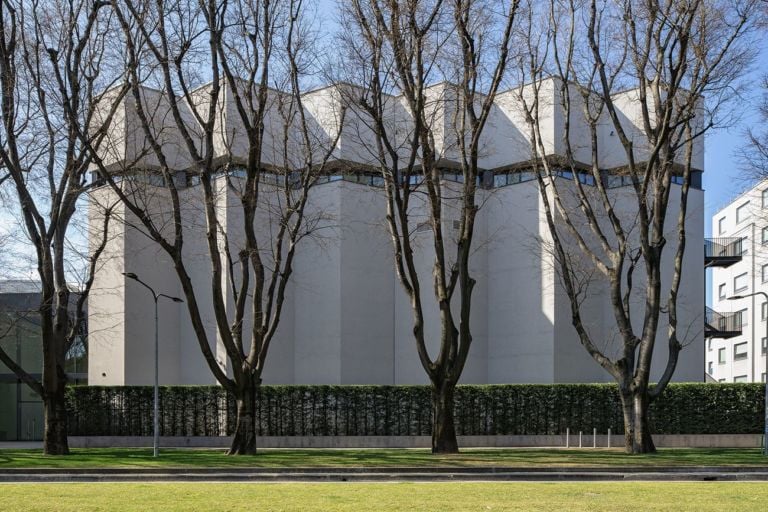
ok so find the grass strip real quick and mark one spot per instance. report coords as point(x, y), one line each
point(443, 497)
point(127, 458)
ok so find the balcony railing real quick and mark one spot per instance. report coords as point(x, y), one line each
point(722, 252)
point(722, 325)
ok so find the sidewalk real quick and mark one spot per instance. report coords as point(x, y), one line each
point(395, 474)
point(21, 445)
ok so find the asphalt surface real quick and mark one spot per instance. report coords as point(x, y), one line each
point(401, 474)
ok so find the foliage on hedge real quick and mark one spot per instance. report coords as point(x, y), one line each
point(515, 409)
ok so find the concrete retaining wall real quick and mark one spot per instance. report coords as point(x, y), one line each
point(601, 441)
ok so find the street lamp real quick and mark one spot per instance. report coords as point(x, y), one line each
point(765, 430)
point(156, 418)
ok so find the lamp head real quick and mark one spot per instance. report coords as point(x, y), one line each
point(130, 275)
point(176, 299)
point(735, 297)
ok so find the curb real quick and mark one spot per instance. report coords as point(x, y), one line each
point(384, 474)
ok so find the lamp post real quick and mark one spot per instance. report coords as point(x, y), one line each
point(156, 416)
point(765, 429)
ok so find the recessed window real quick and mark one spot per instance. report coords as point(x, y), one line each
point(764, 236)
point(740, 378)
point(742, 248)
point(709, 345)
point(762, 377)
point(742, 318)
point(763, 310)
point(740, 283)
point(738, 247)
point(765, 197)
point(765, 272)
point(721, 226)
point(742, 213)
point(721, 291)
point(721, 356)
point(711, 368)
point(741, 351)
point(764, 346)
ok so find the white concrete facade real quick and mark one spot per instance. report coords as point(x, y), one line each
point(346, 319)
point(742, 358)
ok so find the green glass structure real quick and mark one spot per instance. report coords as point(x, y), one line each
point(21, 409)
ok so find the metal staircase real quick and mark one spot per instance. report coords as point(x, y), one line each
point(722, 252)
point(721, 325)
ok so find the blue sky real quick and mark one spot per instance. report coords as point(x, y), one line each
point(723, 179)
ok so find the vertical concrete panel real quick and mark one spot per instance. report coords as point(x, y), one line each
point(317, 286)
point(366, 269)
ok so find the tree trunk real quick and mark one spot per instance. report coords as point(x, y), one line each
point(244, 439)
point(55, 410)
point(637, 432)
point(443, 430)
point(643, 442)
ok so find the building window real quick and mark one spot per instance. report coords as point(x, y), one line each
point(740, 351)
point(721, 226)
point(765, 272)
point(764, 346)
point(740, 378)
point(711, 368)
point(721, 291)
point(740, 283)
point(709, 345)
point(765, 197)
point(762, 377)
point(738, 247)
point(764, 237)
point(742, 318)
point(764, 310)
point(742, 213)
point(721, 356)
point(742, 248)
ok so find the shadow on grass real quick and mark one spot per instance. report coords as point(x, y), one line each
point(273, 458)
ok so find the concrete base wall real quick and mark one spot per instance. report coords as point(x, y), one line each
point(601, 441)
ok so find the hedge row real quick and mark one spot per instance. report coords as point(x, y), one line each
point(405, 410)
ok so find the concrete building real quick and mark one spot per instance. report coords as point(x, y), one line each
point(346, 319)
point(736, 351)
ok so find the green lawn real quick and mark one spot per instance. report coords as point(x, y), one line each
point(443, 497)
point(515, 457)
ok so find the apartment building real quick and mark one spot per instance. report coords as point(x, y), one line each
point(346, 319)
point(736, 350)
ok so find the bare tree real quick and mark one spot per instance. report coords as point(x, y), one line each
point(656, 75)
point(753, 154)
point(207, 60)
point(53, 57)
point(395, 52)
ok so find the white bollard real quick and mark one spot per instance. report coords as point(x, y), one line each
point(609, 438)
point(567, 437)
point(594, 438)
point(579, 438)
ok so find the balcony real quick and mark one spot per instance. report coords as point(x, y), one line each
point(722, 252)
point(721, 325)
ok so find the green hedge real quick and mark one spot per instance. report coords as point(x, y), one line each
point(405, 410)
